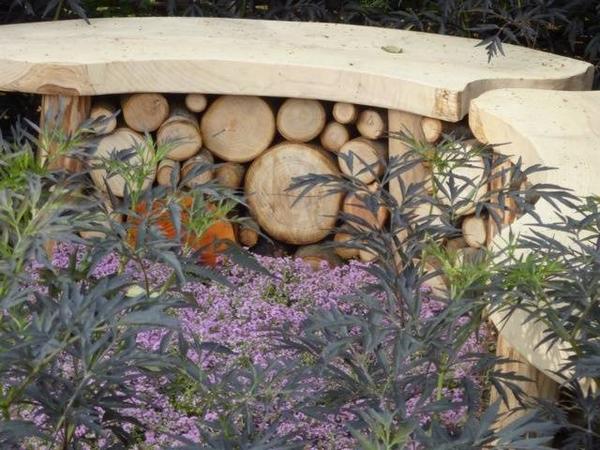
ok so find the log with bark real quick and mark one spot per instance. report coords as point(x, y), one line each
point(104, 116)
point(168, 172)
point(180, 133)
point(202, 163)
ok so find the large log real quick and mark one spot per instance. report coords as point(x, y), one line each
point(181, 134)
point(371, 124)
point(238, 128)
point(230, 175)
point(103, 114)
point(120, 140)
point(196, 102)
point(334, 136)
point(280, 212)
point(144, 112)
point(205, 175)
point(301, 120)
point(373, 153)
point(64, 113)
point(345, 113)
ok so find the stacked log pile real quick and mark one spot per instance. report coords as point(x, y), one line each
point(260, 145)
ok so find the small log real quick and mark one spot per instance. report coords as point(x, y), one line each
point(248, 233)
point(373, 153)
point(196, 102)
point(203, 158)
point(341, 237)
point(334, 136)
point(301, 120)
point(230, 175)
point(371, 124)
point(316, 254)
point(166, 169)
point(66, 114)
point(432, 129)
point(144, 112)
point(345, 113)
point(281, 213)
point(474, 231)
point(104, 115)
point(181, 134)
point(121, 139)
point(238, 128)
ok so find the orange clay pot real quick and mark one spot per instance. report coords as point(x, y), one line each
point(210, 243)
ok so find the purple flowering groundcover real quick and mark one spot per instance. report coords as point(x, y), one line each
point(242, 318)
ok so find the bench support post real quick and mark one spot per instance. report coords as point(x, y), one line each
point(63, 114)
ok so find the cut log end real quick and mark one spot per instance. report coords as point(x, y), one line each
point(301, 120)
point(204, 175)
point(180, 133)
point(104, 118)
point(230, 175)
point(281, 213)
point(474, 231)
point(196, 102)
point(145, 112)
point(168, 172)
point(334, 136)
point(238, 128)
point(120, 140)
point(248, 233)
point(373, 153)
point(432, 129)
point(345, 113)
point(371, 124)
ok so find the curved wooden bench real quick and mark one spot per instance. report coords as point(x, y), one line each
point(556, 129)
point(427, 74)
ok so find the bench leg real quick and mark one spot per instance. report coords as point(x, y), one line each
point(540, 386)
point(65, 114)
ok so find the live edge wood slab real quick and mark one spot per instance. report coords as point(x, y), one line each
point(426, 74)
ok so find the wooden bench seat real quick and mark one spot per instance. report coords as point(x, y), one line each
point(555, 129)
point(427, 74)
